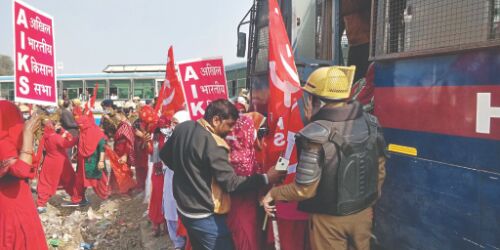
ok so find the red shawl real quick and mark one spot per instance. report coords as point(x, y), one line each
point(90, 135)
point(11, 130)
point(123, 175)
point(126, 131)
point(241, 141)
point(47, 131)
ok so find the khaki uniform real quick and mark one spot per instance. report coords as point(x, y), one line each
point(327, 232)
point(350, 232)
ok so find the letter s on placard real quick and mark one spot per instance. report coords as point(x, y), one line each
point(24, 86)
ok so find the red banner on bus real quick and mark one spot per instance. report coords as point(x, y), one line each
point(203, 81)
point(34, 52)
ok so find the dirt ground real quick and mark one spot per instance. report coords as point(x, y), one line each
point(117, 223)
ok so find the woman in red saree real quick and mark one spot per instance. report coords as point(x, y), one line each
point(151, 123)
point(124, 149)
point(142, 143)
point(155, 211)
point(90, 163)
point(242, 218)
point(56, 168)
point(20, 226)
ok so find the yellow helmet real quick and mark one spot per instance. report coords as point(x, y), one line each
point(332, 83)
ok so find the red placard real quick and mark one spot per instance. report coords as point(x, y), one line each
point(34, 52)
point(203, 81)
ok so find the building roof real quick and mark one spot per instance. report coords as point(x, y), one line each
point(127, 71)
point(128, 68)
point(235, 66)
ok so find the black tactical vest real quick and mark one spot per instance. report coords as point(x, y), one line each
point(349, 174)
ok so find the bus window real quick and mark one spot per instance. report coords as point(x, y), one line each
point(7, 90)
point(60, 91)
point(102, 87)
point(236, 80)
point(119, 89)
point(144, 88)
point(159, 83)
point(418, 27)
point(74, 89)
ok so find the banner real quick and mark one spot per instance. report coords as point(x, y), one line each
point(171, 96)
point(203, 81)
point(34, 52)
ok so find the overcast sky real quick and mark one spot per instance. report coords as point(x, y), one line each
point(91, 34)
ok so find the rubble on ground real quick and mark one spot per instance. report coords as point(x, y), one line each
point(117, 223)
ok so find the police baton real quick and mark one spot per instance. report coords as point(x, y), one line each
point(276, 234)
point(274, 224)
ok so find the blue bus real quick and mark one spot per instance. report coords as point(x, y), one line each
point(121, 82)
point(119, 86)
point(437, 95)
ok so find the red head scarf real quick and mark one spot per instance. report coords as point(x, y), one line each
point(11, 130)
point(147, 114)
point(90, 135)
point(164, 122)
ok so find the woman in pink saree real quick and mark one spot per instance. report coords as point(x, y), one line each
point(242, 219)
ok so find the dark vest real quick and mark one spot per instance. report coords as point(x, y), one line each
point(349, 172)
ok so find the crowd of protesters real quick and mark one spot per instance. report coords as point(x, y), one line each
point(205, 181)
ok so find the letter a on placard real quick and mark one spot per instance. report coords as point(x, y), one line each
point(190, 73)
point(21, 19)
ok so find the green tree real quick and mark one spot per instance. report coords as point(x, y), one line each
point(6, 66)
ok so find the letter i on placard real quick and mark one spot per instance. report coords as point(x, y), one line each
point(23, 43)
point(194, 91)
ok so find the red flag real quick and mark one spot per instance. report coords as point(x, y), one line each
point(171, 96)
point(89, 105)
point(94, 95)
point(284, 118)
point(284, 83)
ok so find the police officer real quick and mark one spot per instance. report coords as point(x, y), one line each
point(341, 164)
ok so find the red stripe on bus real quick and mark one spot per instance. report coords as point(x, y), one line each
point(449, 110)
